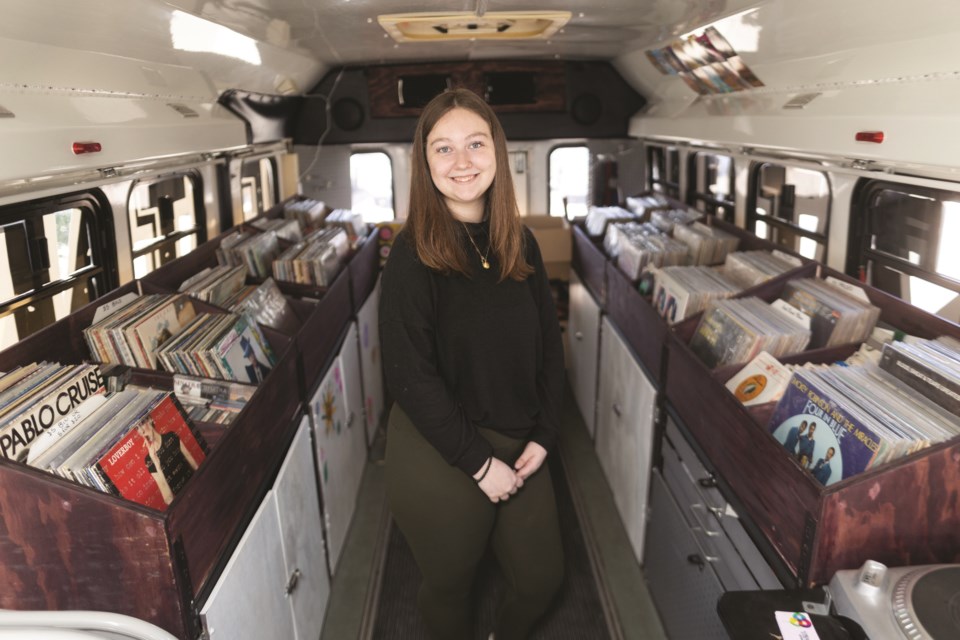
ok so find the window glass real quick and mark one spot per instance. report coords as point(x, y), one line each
point(166, 221)
point(663, 170)
point(791, 207)
point(569, 170)
point(712, 184)
point(905, 249)
point(258, 190)
point(371, 182)
point(53, 262)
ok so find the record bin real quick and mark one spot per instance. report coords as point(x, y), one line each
point(903, 512)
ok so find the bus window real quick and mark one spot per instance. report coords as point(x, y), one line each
point(711, 184)
point(663, 170)
point(791, 207)
point(258, 186)
point(371, 184)
point(901, 244)
point(569, 171)
point(55, 261)
point(166, 221)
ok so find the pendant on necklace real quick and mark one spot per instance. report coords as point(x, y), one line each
point(486, 265)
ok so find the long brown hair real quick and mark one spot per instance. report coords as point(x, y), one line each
point(432, 229)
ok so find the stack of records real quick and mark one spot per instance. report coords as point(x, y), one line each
point(267, 305)
point(638, 247)
point(254, 251)
point(667, 220)
point(930, 367)
point(207, 400)
point(215, 285)
point(735, 330)
point(708, 245)
point(225, 346)
point(835, 317)
point(642, 205)
point(309, 213)
point(35, 397)
point(838, 421)
point(349, 221)
point(611, 239)
point(315, 261)
point(286, 230)
point(136, 443)
point(680, 292)
point(599, 217)
point(750, 268)
point(132, 333)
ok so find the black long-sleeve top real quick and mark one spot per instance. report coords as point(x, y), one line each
point(461, 353)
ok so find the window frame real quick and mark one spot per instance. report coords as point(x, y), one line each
point(669, 184)
point(823, 239)
point(393, 175)
point(251, 168)
point(710, 202)
point(859, 251)
point(200, 218)
point(567, 145)
point(103, 247)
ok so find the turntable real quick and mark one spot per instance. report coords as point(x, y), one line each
point(915, 603)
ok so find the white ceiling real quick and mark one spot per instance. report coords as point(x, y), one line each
point(338, 32)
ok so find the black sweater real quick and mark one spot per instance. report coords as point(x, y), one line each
point(461, 353)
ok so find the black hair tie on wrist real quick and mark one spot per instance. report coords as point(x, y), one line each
point(486, 470)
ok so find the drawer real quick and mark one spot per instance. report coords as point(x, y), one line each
point(702, 479)
point(684, 587)
point(706, 525)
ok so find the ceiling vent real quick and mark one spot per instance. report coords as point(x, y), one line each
point(466, 25)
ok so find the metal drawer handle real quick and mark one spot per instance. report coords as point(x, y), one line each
point(292, 582)
point(700, 523)
point(708, 482)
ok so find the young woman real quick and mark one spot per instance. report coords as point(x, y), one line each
point(473, 357)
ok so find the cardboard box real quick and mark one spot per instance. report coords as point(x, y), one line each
point(556, 243)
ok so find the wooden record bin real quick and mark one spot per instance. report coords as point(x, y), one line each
point(65, 546)
point(902, 513)
point(633, 314)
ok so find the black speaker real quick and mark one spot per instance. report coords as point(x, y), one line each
point(347, 114)
point(587, 109)
point(417, 91)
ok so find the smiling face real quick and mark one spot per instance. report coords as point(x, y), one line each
point(462, 161)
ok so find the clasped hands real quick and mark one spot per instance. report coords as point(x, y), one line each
point(501, 482)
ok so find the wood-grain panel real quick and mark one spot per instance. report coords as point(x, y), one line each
point(638, 322)
point(589, 261)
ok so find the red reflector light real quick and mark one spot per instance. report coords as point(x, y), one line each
point(870, 136)
point(85, 147)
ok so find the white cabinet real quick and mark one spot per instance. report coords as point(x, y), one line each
point(626, 401)
point(583, 334)
point(336, 412)
point(371, 367)
point(275, 584)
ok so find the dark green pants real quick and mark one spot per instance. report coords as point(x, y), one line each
point(449, 523)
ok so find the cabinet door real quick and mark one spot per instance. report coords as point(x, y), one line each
point(248, 600)
point(370, 364)
point(682, 582)
point(298, 508)
point(583, 335)
point(625, 410)
point(341, 443)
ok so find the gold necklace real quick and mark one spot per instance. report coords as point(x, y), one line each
point(483, 258)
